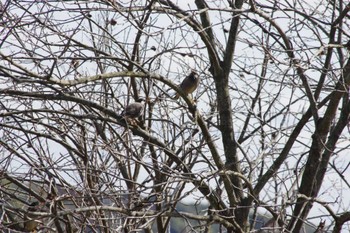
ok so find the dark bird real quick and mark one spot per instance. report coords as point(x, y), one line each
point(189, 84)
point(30, 223)
point(134, 110)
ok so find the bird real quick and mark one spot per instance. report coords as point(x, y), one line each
point(134, 110)
point(30, 223)
point(189, 84)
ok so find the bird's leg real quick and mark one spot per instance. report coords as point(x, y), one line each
point(133, 122)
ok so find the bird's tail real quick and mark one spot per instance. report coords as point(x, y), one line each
point(177, 96)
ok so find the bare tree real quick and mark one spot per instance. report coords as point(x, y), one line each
point(266, 131)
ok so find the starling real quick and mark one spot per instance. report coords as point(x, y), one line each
point(189, 84)
point(134, 110)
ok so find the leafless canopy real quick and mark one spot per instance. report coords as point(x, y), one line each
point(266, 133)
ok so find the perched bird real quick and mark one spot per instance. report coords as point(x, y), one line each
point(30, 223)
point(189, 84)
point(134, 110)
